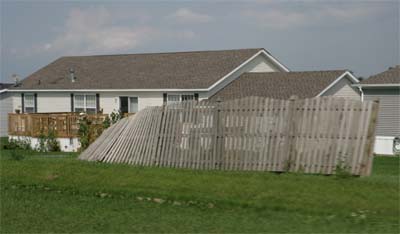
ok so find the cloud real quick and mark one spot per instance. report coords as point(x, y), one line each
point(280, 16)
point(185, 15)
point(94, 30)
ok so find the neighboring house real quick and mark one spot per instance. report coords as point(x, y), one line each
point(385, 87)
point(6, 106)
point(132, 82)
point(282, 85)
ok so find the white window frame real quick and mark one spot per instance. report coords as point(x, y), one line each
point(129, 103)
point(85, 106)
point(26, 103)
point(173, 94)
point(180, 97)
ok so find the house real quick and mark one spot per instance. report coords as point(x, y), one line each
point(282, 85)
point(131, 82)
point(5, 107)
point(384, 87)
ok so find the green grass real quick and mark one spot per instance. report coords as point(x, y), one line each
point(58, 193)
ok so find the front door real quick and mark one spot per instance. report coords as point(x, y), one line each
point(123, 104)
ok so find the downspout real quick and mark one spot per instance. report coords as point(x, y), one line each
point(362, 93)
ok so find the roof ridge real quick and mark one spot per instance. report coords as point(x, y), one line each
point(154, 53)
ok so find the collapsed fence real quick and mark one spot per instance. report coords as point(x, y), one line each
point(315, 135)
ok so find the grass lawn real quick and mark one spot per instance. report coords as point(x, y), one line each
point(58, 193)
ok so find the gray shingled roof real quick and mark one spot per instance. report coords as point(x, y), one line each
point(390, 76)
point(279, 85)
point(179, 70)
point(5, 85)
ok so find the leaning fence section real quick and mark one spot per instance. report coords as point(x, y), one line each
point(299, 135)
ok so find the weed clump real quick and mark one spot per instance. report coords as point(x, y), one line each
point(16, 156)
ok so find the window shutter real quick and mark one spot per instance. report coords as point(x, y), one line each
point(22, 103)
point(35, 103)
point(72, 102)
point(97, 103)
point(196, 96)
point(165, 98)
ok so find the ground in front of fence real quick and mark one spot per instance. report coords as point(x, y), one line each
point(62, 194)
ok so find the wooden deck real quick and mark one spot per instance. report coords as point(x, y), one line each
point(34, 124)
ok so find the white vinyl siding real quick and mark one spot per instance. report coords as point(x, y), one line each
point(343, 89)
point(53, 102)
point(261, 64)
point(109, 101)
point(6, 106)
point(389, 110)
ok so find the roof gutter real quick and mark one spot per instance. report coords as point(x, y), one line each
point(107, 90)
point(376, 85)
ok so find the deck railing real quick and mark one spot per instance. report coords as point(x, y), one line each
point(34, 124)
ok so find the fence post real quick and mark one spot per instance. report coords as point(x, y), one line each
point(218, 141)
point(291, 136)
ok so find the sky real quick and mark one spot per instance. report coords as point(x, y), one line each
point(361, 36)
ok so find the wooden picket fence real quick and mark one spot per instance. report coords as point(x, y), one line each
point(315, 135)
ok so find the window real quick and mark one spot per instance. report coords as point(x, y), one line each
point(91, 104)
point(29, 103)
point(128, 104)
point(187, 97)
point(133, 105)
point(85, 103)
point(173, 98)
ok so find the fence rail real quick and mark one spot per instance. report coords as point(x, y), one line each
point(309, 135)
point(35, 124)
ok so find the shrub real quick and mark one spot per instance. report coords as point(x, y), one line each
point(106, 122)
point(48, 142)
point(41, 146)
point(13, 144)
point(89, 130)
point(10, 145)
point(116, 116)
point(52, 143)
point(83, 132)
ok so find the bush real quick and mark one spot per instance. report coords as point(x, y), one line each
point(52, 143)
point(14, 144)
point(89, 130)
point(48, 142)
